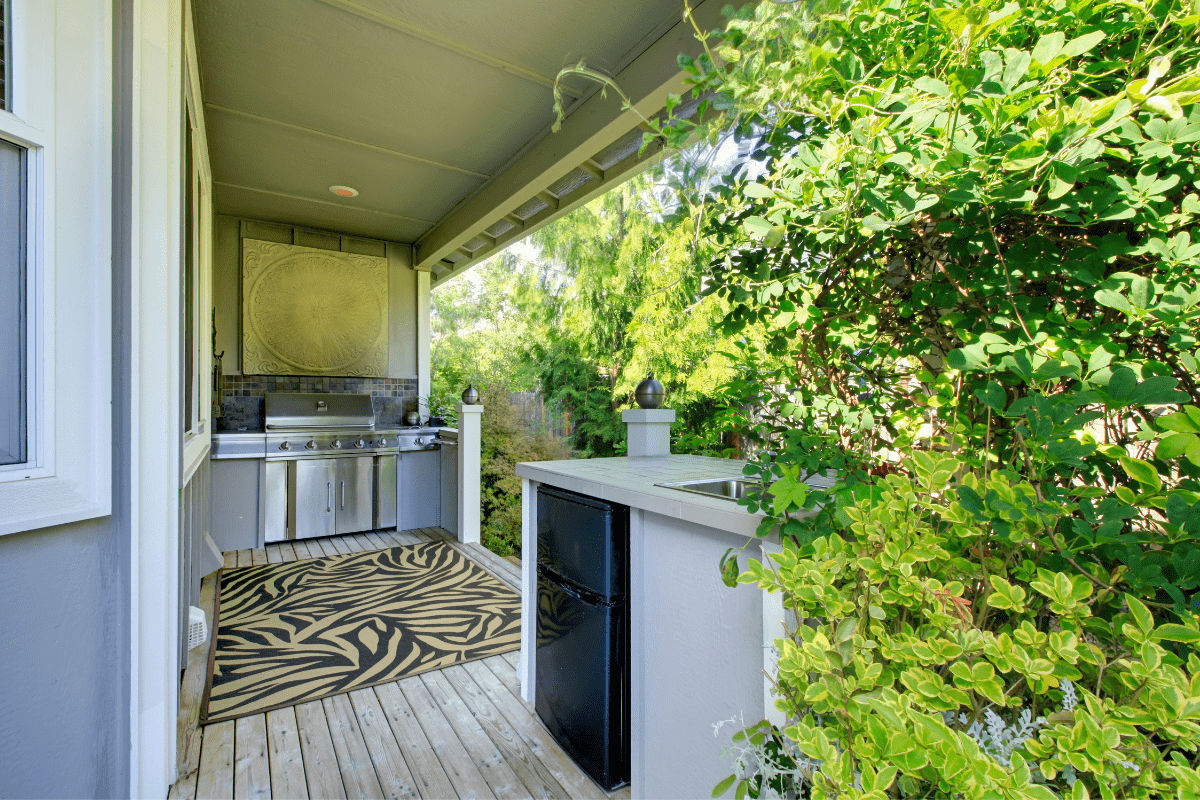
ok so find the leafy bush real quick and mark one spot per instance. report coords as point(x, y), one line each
point(968, 244)
point(506, 442)
point(936, 656)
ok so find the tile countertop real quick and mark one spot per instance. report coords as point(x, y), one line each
point(631, 482)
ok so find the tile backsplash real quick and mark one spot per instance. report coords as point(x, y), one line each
point(243, 396)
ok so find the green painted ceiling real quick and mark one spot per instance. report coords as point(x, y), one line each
point(419, 105)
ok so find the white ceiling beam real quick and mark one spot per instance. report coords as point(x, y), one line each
point(593, 125)
point(447, 44)
point(548, 198)
point(233, 112)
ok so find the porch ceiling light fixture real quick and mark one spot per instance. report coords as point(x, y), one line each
point(344, 191)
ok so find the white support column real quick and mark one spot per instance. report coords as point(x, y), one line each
point(153, 415)
point(423, 309)
point(469, 442)
point(774, 623)
point(527, 667)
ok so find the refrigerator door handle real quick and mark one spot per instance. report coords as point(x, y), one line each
point(567, 587)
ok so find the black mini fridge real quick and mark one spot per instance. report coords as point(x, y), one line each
point(582, 657)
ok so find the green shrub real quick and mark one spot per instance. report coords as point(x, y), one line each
point(505, 441)
point(968, 248)
point(936, 659)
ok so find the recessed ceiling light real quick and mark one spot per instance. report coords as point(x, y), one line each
point(344, 191)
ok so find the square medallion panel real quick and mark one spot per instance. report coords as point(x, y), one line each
point(307, 311)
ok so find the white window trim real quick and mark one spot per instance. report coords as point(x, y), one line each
point(198, 438)
point(62, 111)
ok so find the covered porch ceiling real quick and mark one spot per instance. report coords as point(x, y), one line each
point(438, 112)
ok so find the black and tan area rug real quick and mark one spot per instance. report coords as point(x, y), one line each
point(303, 630)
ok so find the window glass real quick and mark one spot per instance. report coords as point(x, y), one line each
point(13, 306)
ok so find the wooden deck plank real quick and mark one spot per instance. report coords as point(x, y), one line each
point(395, 778)
point(287, 758)
point(289, 552)
point(515, 751)
point(506, 673)
point(364, 542)
point(574, 781)
point(320, 761)
point(354, 761)
point(215, 781)
point(302, 551)
point(483, 751)
point(376, 540)
point(326, 547)
point(454, 758)
point(418, 753)
point(346, 543)
point(191, 689)
point(184, 788)
point(230, 558)
point(388, 538)
point(244, 559)
point(274, 553)
point(251, 766)
point(407, 538)
point(338, 544)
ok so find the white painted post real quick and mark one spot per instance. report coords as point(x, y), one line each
point(649, 431)
point(526, 670)
point(469, 442)
point(423, 362)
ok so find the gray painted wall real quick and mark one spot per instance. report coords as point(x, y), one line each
point(64, 662)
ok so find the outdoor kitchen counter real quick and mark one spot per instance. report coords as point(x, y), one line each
point(698, 648)
point(631, 482)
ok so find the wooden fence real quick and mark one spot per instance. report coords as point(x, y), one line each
point(535, 413)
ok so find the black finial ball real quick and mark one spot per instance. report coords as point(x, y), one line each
point(649, 393)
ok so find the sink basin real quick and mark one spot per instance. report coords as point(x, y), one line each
point(725, 488)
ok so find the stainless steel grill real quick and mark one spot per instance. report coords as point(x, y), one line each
point(328, 470)
point(323, 426)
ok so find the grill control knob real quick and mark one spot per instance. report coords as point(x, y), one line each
point(420, 441)
point(285, 445)
point(383, 442)
point(360, 444)
point(312, 445)
point(337, 444)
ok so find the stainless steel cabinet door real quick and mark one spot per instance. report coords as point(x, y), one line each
point(310, 498)
point(354, 499)
point(450, 487)
point(420, 490)
point(385, 491)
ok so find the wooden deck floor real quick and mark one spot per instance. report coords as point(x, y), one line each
point(458, 732)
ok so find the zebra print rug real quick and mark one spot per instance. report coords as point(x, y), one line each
point(303, 630)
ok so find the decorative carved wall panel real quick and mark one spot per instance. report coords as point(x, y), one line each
point(313, 312)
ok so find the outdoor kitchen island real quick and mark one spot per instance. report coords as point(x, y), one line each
point(697, 648)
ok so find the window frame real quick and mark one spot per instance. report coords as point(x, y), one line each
point(61, 112)
point(197, 431)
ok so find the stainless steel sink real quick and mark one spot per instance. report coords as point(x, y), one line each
point(725, 488)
